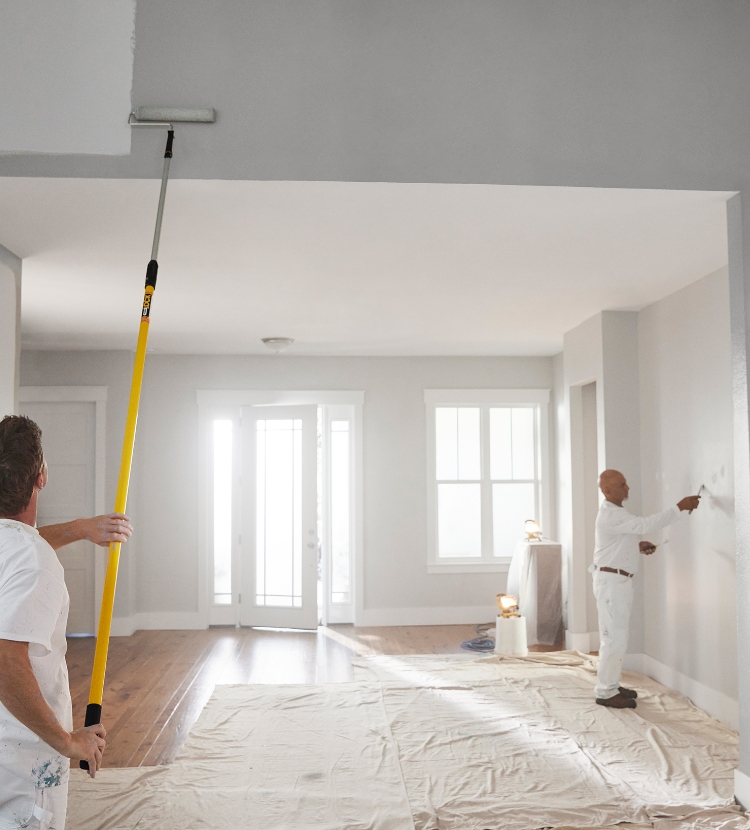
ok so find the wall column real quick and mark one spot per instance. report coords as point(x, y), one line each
point(10, 330)
point(739, 311)
point(604, 350)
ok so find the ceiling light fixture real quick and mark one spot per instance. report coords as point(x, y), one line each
point(278, 344)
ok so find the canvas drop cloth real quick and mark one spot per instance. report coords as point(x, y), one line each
point(262, 757)
point(519, 743)
point(433, 743)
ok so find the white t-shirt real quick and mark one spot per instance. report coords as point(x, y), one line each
point(618, 532)
point(33, 608)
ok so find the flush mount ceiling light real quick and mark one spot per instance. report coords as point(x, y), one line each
point(278, 344)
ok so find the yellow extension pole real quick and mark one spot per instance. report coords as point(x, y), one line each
point(94, 708)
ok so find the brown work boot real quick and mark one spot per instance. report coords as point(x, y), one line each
point(628, 692)
point(619, 701)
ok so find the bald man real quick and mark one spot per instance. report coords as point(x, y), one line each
point(615, 562)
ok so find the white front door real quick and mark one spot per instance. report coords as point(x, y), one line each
point(278, 537)
point(68, 438)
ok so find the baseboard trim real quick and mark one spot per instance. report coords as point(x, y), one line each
point(584, 642)
point(452, 615)
point(720, 706)
point(634, 662)
point(123, 626)
point(374, 617)
point(742, 789)
point(158, 621)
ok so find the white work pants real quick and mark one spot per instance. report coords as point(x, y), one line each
point(50, 807)
point(614, 601)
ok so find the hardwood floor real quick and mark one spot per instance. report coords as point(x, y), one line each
point(158, 681)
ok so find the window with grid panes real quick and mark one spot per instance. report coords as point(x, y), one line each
point(486, 479)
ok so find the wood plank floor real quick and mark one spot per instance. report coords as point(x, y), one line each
point(158, 681)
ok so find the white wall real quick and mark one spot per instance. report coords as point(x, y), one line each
point(687, 440)
point(67, 70)
point(165, 478)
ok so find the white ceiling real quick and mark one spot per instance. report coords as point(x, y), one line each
point(347, 268)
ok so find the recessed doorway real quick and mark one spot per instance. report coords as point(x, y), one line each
point(281, 508)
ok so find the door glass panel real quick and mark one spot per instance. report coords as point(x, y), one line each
point(279, 513)
point(512, 505)
point(340, 513)
point(222, 512)
point(459, 520)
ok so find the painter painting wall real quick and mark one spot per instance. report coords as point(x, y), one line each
point(665, 418)
point(690, 620)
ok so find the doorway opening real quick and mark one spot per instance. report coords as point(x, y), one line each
point(72, 420)
point(281, 513)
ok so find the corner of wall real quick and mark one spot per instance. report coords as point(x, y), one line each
point(557, 429)
point(621, 397)
point(12, 327)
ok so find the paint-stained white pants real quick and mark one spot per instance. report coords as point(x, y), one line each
point(50, 807)
point(614, 602)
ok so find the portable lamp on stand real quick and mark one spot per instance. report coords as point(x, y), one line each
point(533, 531)
point(510, 628)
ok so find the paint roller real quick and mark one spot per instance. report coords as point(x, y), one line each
point(167, 116)
point(139, 117)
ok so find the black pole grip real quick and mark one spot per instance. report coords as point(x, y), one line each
point(93, 716)
point(170, 139)
point(151, 271)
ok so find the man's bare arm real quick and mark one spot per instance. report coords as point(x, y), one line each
point(22, 697)
point(101, 530)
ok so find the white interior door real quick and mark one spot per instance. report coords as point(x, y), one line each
point(69, 441)
point(278, 537)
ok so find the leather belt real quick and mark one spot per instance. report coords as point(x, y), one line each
point(615, 571)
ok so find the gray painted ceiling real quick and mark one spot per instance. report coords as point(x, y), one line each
point(603, 93)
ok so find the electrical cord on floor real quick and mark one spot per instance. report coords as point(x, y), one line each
point(485, 641)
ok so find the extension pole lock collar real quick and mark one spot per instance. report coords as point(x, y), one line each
point(170, 139)
point(151, 271)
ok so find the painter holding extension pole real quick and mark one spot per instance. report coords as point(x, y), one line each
point(147, 117)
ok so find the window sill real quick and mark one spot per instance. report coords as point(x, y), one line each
point(483, 567)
